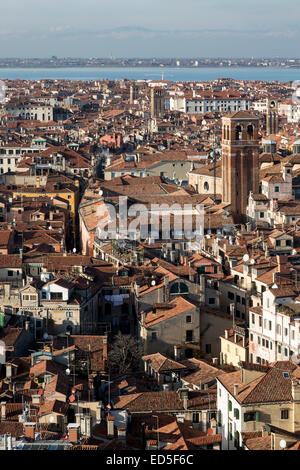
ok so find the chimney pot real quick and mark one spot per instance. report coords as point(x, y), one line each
point(3, 410)
point(110, 426)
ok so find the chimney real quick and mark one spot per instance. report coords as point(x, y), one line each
point(122, 433)
point(3, 410)
point(110, 426)
point(296, 390)
point(9, 442)
point(213, 426)
point(8, 370)
point(185, 402)
point(36, 399)
point(232, 313)
point(202, 288)
point(74, 432)
point(177, 352)
point(29, 430)
point(235, 389)
point(215, 361)
point(166, 289)
point(226, 334)
point(98, 412)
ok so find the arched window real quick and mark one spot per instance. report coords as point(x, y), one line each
point(250, 132)
point(206, 186)
point(238, 132)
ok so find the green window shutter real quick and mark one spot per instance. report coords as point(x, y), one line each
point(256, 415)
point(245, 417)
point(236, 413)
point(1, 320)
point(229, 405)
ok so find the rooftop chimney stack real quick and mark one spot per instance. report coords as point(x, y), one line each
point(29, 430)
point(110, 426)
point(177, 352)
point(73, 430)
point(235, 389)
point(3, 410)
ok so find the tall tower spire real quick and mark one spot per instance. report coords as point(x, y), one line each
point(240, 169)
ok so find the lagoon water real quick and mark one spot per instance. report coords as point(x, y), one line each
point(153, 73)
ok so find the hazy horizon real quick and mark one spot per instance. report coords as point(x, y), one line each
point(161, 29)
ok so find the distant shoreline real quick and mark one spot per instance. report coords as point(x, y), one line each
point(118, 66)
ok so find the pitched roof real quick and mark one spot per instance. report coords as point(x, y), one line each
point(161, 363)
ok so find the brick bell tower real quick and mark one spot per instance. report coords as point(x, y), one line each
point(240, 168)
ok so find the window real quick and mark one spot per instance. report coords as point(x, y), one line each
point(270, 325)
point(230, 295)
point(208, 349)
point(253, 318)
point(278, 328)
point(196, 418)
point(189, 336)
point(229, 405)
point(211, 300)
point(260, 321)
point(238, 299)
point(154, 336)
point(188, 319)
point(276, 189)
point(284, 414)
point(288, 242)
point(251, 416)
point(236, 413)
point(286, 353)
point(278, 242)
point(56, 295)
point(285, 332)
point(279, 348)
point(10, 273)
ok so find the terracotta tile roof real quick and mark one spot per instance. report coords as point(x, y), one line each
point(259, 443)
point(161, 363)
point(179, 305)
point(164, 401)
point(270, 386)
point(54, 406)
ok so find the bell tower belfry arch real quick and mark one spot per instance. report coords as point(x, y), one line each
point(240, 166)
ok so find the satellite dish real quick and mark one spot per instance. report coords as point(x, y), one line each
point(252, 261)
point(282, 444)
point(100, 192)
point(153, 283)
point(246, 258)
point(68, 372)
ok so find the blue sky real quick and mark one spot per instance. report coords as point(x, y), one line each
point(153, 28)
